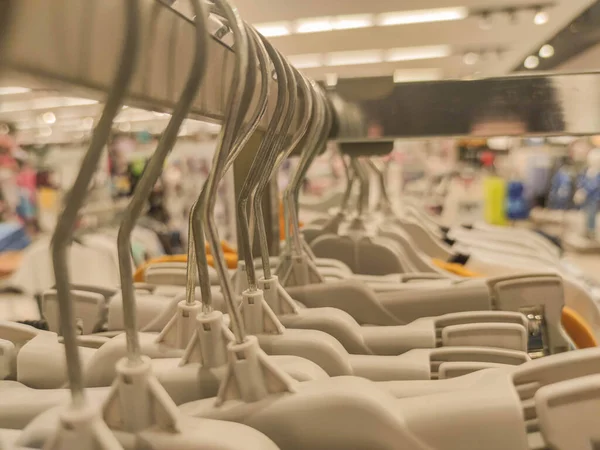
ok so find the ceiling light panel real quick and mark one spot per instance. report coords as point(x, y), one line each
point(307, 61)
point(6, 90)
point(531, 62)
point(416, 53)
point(547, 51)
point(541, 17)
point(314, 25)
point(422, 16)
point(274, 29)
point(352, 22)
point(354, 58)
point(45, 103)
point(408, 75)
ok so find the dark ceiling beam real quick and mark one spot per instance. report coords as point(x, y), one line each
point(582, 33)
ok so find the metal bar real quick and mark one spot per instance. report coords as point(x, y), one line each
point(545, 104)
point(42, 45)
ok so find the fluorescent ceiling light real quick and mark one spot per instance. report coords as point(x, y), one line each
point(531, 62)
point(314, 25)
point(273, 29)
point(541, 17)
point(13, 90)
point(408, 75)
point(354, 58)
point(415, 53)
point(352, 22)
point(45, 103)
point(422, 16)
point(49, 117)
point(547, 51)
point(306, 61)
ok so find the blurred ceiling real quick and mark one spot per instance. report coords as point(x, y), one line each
point(411, 40)
point(415, 39)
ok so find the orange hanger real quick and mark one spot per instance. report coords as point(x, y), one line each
point(226, 246)
point(231, 258)
point(577, 328)
point(282, 222)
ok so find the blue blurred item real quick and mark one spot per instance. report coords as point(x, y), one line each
point(561, 190)
point(516, 205)
point(25, 208)
point(13, 237)
point(591, 185)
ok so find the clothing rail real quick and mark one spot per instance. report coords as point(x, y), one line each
point(540, 104)
point(74, 45)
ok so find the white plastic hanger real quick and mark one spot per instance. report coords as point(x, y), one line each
point(345, 412)
point(577, 295)
point(403, 306)
point(197, 373)
point(137, 406)
point(506, 240)
point(261, 320)
point(464, 296)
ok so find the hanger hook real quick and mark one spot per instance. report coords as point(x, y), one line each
point(242, 139)
point(292, 238)
point(151, 173)
point(363, 176)
point(303, 112)
point(226, 139)
point(384, 204)
point(297, 143)
point(265, 155)
point(313, 147)
point(65, 225)
point(350, 175)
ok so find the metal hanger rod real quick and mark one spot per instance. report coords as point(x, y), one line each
point(151, 173)
point(66, 222)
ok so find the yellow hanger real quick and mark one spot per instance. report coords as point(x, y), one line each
point(231, 258)
point(456, 269)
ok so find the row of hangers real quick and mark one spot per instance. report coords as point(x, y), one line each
point(304, 355)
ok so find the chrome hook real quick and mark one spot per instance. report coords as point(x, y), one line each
point(384, 203)
point(363, 176)
point(350, 175)
point(304, 112)
point(61, 238)
point(196, 213)
point(151, 173)
point(267, 152)
point(234, 114)
point(313, 147)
